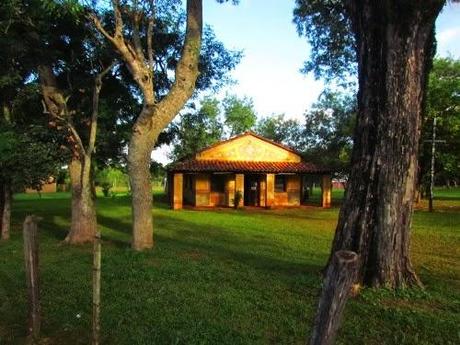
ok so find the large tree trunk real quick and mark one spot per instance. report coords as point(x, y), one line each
point(394, 43)
point(5, 204)
point(2, 203)
point(83, 220)
point(153, 119)
point(84, 223)
point(140, 149)
point(155, 116)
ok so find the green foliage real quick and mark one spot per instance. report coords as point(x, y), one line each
point(62, 7)
point(240, 115)
point(157, 170)
point(109, 178)
point(443, 102)
point(58, 34)
point(222, 277)
point(26, 160)
point(216, 61)
point(29, 153)
point(197, 129)
point(279, 129)
point(329, 129)
point(327, 28)
point(237, 199)
point(212, 122)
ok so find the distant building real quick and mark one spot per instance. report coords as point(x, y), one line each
point(49, 186)
point(263, 172)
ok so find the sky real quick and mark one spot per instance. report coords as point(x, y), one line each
point(269, 71)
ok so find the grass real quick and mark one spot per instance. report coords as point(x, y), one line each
point(223, 277)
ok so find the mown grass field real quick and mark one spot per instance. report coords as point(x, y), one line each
point(223, 277)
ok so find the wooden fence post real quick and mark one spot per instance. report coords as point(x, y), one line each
point(340, 276)
point(30, 234)
point(96, 287)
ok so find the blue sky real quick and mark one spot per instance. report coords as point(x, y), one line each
point(274, 53)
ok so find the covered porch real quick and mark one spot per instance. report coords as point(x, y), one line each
point(284, 184)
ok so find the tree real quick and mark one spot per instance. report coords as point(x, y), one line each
point(137, 26)
point(239, 114)
point(59, 39)
point(197, 129)
point(57, 49)
point(84, 222)
point(29, 155)
point(328, 30)
point(109, 178)
point(393, 43)
point(70, 66)
point(286, 131)
point(329, 129)
point(443, 102)
point(25, 141)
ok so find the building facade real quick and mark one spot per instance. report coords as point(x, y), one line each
point(248, 169)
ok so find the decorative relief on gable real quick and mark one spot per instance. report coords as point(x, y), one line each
point(249, 149)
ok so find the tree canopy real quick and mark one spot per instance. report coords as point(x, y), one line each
point(327, 28)
point(278, 128)
point(329, 126)
point(240, 115)
point(443, 102)
point(197, 129)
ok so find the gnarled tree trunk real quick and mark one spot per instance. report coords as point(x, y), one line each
point(83, 219)
point(5, 203)
point(394, 43)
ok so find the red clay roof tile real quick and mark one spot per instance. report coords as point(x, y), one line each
point(193, 165)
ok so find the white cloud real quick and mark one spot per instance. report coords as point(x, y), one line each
point(161, 154)
point(449, 42)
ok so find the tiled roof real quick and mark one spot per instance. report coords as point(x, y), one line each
point(193, 165)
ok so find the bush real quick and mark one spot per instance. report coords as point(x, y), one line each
point(237, 199)
point(106, 186)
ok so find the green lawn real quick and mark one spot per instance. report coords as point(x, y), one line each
point(223, 277)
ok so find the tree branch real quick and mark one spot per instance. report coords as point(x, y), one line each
point(118, 20)
point(131, 55)
point(56, 104)
point(100, 28)
point(187, 67)
point(151, 23)
point(136, 37)
point(95, 112)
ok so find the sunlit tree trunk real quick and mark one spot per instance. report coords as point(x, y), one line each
point(5, 208)
point(394, 43)
point(140, 148)
point(155, 115)
point(83, 219)
point(2, 203)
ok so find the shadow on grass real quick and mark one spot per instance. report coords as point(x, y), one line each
point(181, 237)
point(447, 198)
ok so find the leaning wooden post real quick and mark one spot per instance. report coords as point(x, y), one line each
point(339, 279)
point(30, 234)
point(96, 287)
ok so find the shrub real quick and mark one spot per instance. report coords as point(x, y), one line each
point(106, 186)
point(237, 199)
